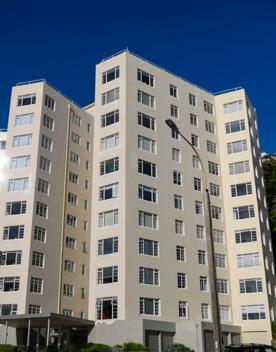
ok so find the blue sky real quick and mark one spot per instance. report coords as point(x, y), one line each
point(215, 44)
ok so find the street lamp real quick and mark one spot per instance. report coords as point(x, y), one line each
point(210, 245)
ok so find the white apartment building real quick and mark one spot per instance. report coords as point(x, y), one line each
point(148, 278)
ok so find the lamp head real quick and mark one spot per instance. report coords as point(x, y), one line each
point(172, 125)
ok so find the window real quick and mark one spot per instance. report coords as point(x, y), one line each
point(74, 178)
point(203, 284)
point(222, 286)
point(174, 111)
point(218, 236)
point(253, 312)
point(146, 144)
point(175, 135)
point(193, 120)
point(34, 309)
point(146, 99)
point(18, 184)
point(69, 266)
point(194, 140)
point(210, 127)
point(224, 312)
point(110, 96)
point(149, 306)
point(36, 285)
point(71, 220)
point(68, 290)
point(216, 212)
point(45, 164)
point(241, 189)
point(41, 210)
point(196, 163)
point(46, 143)
point(9, 284)
point(39, 234)
point(27, 99)
point(178, 202)
point(146, 121)
point(205, 311)
point(183, 309)
point(15, 208)
point(180, 253)
point(8, 309)
point(109, 191)
point(176, 155)
point(10, 257)
point(148, 247)
point(88, 146)
point(181, 280)
point(110, 141)
point(251, 285)
point(72, 198)
point(110, 118)
point(76, 120)
point(192, 99)
point(146, 168)
point(198, 207)
point(177, 178)
point(220, 260)
point(233, 106)
point(70, 242)
point(173, 91)
point(197, 184)
point(247, 235)
point(243, 212)
point(48, 122)
point(109, 218)
point(108, 246)
point(147, 193)
point(2, 147)
point(179, 227)
point(67, 312)
point(24, 120)
point(111, 74)
point(200, 232)
point(145, 77)
point(38, 259)
point(202, 257)
point(235, 126)
point(49, 102)
point(249, 260)
point(20, 162)
point(148, 220)
point(214, 189)
point(108, 166)
point(13, 232)
point(237, 147)
point(211, 147)
point(43, 186)
point(107, 308)
point(213, 168)
point(208, 107)
point(75, 138)
point(239, 167)
point(148, 276)
point(75, 158)
point(22, 140)
point(83, 295)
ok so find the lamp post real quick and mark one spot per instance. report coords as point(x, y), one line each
point(210, 245)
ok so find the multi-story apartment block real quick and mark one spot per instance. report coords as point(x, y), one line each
point(148, 279)
point(45, 204)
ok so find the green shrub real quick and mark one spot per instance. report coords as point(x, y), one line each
point(178, 347)
point(95, 347)
point(133, 346)
point(6, 348)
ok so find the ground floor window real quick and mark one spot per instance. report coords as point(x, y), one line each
point(107, 308)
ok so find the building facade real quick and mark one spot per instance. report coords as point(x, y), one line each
point(125, 196)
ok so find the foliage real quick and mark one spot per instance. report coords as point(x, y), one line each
point(95, 347)
point(273, 328)
point(6, 348)
point(178, 347)
point(133, 346)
